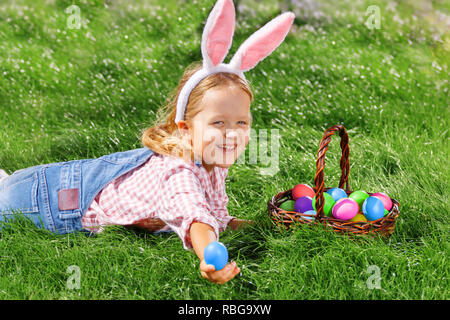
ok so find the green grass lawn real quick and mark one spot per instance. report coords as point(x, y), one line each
point(82, 93)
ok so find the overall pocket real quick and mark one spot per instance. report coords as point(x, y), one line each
point(61, 195)
point(64, 187)
point(19, 191)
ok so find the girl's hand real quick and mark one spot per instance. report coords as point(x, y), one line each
point(221, 276)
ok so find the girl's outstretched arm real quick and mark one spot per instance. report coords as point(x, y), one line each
point(201, 235)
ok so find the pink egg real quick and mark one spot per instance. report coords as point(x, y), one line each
point(387, 203)
point(345, 209)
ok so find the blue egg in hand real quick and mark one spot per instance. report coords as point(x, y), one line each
point(216, 254)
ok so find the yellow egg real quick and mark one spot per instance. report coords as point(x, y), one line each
point(359, 217)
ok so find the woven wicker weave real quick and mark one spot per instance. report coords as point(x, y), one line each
point(384, 226)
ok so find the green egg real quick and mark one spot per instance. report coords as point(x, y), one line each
point(328, 206)
point(359, 196)
point(386, 212)
point(288, 205)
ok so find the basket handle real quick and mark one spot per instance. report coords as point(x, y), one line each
point(345, 166)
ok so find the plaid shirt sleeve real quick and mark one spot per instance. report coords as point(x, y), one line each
point(220, 208)
point(184, 202)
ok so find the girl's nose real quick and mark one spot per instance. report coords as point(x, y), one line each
point(231, 133)
point(231, 137)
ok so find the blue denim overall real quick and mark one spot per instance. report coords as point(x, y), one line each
point(55, 196)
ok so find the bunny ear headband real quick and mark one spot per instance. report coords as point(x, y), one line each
point(216, 41)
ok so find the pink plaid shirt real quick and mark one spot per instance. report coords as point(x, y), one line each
point(165, 193)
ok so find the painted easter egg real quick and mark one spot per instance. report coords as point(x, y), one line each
point(373, 208)
point(302, 190)
point(303, 204)
point(345, 209)
point(359, 196)
point(216, 254)
point(288, 205)
point(387, 202)
point(337, 193)
point(358, 218)
point(310, 212)
point(328, 205)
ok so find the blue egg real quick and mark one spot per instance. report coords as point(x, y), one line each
point(373, 208)
point(337, 193)
point(216, 254)
point(311, 212)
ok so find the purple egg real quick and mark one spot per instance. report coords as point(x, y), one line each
point(303, 204)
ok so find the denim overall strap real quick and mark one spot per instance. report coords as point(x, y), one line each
point(67, 189)
point(97, 173)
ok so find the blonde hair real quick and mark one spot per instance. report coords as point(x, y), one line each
point(163, 136)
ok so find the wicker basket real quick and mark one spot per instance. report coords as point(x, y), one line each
point(384, 226)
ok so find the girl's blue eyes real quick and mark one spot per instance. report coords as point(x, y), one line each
point(243, 122)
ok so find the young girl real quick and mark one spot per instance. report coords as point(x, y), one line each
point(176, 182)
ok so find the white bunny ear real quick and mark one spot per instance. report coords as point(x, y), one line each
point(218, 33)
point(263, 42)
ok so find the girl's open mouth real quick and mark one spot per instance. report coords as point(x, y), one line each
point(227, 148)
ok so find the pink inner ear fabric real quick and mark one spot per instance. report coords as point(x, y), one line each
point(221, 34)
point(264, 43)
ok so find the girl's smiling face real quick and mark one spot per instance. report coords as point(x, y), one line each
point(221, 131)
